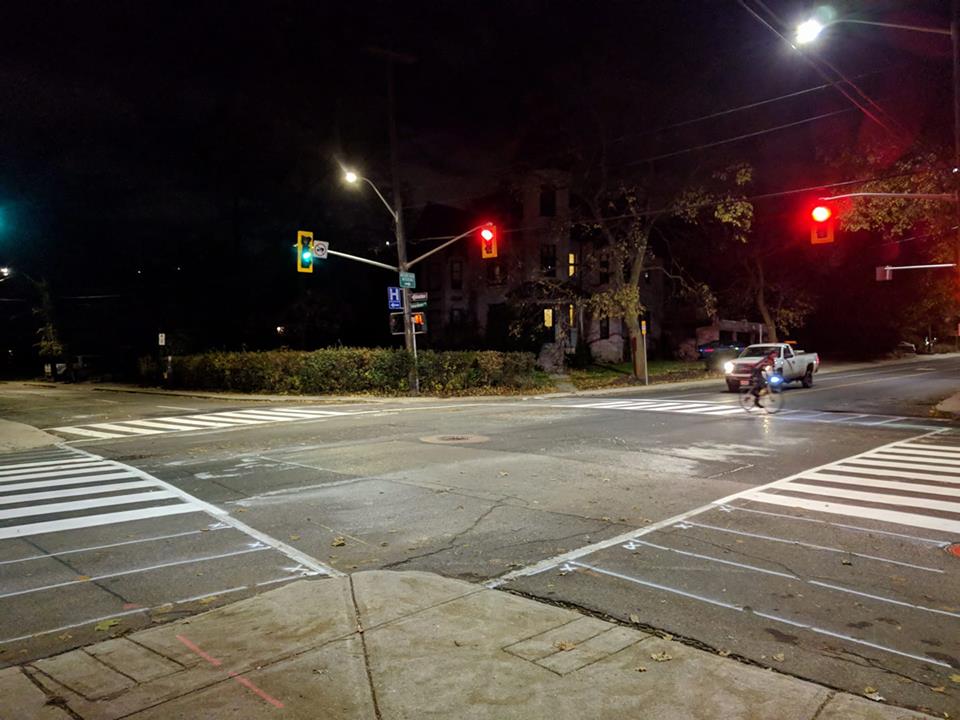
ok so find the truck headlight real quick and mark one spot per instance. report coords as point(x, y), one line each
point(728, 367)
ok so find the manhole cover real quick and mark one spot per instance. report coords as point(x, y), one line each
point(454, 439)
point(954, 549)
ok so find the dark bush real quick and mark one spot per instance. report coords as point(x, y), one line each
point(352, 370)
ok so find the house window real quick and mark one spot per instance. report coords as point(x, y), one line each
point(456, 316)
point(548, 201)
point(548, 317)
point(548, 260)
point(495, 274)
point(571, 264)
point(570, 314)
point(604, 271)
point(604, 328)
point(456, 274)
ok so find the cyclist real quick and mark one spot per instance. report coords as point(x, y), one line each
point(757, 381)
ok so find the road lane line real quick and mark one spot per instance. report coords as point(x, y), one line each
point(116, 427)
point(901, 518)
point(74, 470)
point(135, 571)
point(552, 562)
point(903, 502)
point(845, 526)
point(91, 548)
point(869, 460)
point(825, 548)
point(73, 492)
point(71, 626)
point(933, 447)
point(224, 517)
point(54, 508)
point(768, 616)
point(115, 475)
point(949, 488)
point(765, 571)
point(49, 465)
point(85, 521)
point(178, 407)
point(843, 467)
point(923, 459)
point(82, 431)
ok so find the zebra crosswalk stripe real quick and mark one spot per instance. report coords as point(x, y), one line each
point(76, 490)
point(908, 483)
point(205, 421)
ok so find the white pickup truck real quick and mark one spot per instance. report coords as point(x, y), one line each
point(790, 364)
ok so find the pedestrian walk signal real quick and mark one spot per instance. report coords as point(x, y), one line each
point(304, 251)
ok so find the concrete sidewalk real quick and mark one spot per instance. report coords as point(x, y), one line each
point(408, 645)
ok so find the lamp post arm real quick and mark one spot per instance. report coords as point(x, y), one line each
point(441, 247)
point(895, 26)
point(390, 210)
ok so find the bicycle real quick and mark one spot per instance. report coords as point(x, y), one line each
point(768, 398)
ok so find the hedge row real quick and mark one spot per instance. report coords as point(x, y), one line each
point(351, 370)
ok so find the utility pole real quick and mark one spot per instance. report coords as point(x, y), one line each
point(410, 340)
point(955, 41)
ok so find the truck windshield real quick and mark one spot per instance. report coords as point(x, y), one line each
point(759, 350)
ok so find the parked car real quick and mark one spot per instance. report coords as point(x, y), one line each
point(790, 364)
point(906, 347)
point(706, 350)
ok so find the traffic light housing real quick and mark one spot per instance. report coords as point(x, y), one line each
point(304, 251)
point(419, 322)
point(821, 225)
point(488, 241)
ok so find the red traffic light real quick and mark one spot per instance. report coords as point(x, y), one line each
point(488, 241)
point(821, 229)
point(821, 213)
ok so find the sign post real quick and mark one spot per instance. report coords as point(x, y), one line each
point(643, 336)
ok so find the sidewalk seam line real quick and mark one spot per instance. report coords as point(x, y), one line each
point(366, 655)
point(831, 694)
point(51, 696)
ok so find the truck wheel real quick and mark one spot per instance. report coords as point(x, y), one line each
point(733, 386)
point(807, 379)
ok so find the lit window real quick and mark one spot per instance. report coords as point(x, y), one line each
point(571, 264)
point(548, 317)
point(570, 312)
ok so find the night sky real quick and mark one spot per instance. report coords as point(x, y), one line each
point(162, 155)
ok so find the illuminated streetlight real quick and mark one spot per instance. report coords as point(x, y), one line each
point(351, 177)
point(808, 31)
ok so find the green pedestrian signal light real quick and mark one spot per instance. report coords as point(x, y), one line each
point(304, 251)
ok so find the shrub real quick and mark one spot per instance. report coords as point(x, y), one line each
point(352, 370)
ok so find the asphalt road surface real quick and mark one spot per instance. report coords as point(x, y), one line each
point(813, 541)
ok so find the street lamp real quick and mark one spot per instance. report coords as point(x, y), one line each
point(808, 31)
point(5, 273)
point(410, 340)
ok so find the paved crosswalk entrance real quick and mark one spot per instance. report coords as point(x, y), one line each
point(732, 409)
point(87, 540)
point(838, 574)
point(187, 423)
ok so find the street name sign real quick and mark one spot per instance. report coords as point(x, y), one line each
point(408, 280)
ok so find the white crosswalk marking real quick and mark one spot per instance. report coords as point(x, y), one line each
point(672, 406)
point(74, 490)
point(909, 483)
point(183, 423)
